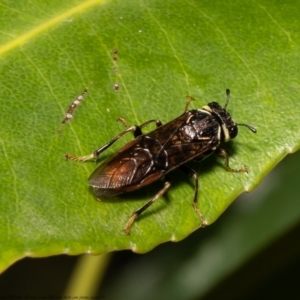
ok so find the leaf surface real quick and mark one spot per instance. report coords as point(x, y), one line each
point(51, 52)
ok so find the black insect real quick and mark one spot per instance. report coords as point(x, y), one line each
point(194, 134)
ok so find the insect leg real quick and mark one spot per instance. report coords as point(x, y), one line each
point(189, 100)
point(158, 123)
point(137, 131)
point(136, 213)
point(223, 153)
point(193, 174)
point(96, 153)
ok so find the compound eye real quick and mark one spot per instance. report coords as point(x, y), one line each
point(233, 131)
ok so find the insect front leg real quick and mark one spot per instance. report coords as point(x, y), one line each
point(223, 153)
point(193, 174)
point(136, 213)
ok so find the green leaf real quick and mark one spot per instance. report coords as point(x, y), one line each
point(52, 51)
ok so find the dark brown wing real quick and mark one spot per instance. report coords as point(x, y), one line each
point(127, 170)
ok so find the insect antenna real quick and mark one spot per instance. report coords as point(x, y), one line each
point(227, 101)
point(249, 127)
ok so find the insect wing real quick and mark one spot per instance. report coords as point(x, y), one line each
point(128, 169)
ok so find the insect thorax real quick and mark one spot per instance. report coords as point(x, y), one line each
point(201, 125)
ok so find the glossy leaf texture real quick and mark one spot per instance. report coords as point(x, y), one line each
point(166, 50)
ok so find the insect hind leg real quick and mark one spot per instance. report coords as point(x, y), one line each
point(95, 154)
point(136, 130)
point(136, 213)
